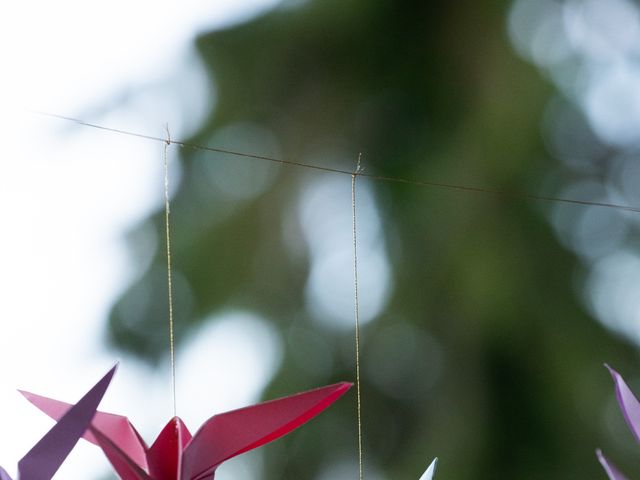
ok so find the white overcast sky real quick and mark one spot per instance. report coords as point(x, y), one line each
point(67, 196)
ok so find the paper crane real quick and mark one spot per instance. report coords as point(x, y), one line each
point(44, 459)
point(431, 471)
point(177, 455)
point(631, 411)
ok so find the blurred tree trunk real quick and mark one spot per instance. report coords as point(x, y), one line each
point(483, 356)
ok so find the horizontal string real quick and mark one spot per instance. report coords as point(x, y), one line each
point(382, 178)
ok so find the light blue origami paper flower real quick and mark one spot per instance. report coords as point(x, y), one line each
point(631, 411)
point(431, 471)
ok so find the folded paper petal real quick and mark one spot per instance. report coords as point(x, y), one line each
point(431, 471)
point(4, 475)
point(116, 427)
point(124, 466)
point(165, 455)
point(176, 455)
point(610, 468)
point(232, 433)
point(628, 403)
point(44, 459)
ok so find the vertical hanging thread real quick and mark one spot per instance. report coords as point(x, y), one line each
point(356, 303)
point(169, 272)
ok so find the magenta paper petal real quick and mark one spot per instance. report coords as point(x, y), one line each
point(116, 427)
point(124, 466)
point(4, 475)
point(628, 403)
point(177, 456)
point(165, 455)
point(44, 459)
point(610, 468)
point(232, 433)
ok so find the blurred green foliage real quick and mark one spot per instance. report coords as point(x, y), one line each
point(504, 379)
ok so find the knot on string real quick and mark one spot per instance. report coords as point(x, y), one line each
point(167, 140)
point(359, 168)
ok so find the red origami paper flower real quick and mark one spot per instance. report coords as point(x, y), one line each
point(177, 455)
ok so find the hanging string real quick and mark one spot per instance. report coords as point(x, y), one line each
point(167, 143)
point(417, 183)
point(356, 306)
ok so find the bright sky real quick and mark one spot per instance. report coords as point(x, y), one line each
point(67, 196)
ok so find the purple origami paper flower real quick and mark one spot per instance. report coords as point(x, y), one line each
point(631, 411)
point(610, 468)
point(46, 456)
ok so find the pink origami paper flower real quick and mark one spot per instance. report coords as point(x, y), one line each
point(177, 455)
point(631, 411)
point(45, 458)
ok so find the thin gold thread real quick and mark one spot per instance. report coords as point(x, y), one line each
point(382, 178)
point(167, 210)
point(356, 306)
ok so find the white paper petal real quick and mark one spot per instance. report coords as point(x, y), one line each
point(612, 471)
point(431, 471)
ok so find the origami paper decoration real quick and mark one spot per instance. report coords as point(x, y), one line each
point(612, 472)
point(431, 471)
point(631, 411)
point(177, 455)
point(46, 456)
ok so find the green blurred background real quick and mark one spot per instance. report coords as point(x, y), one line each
point(483, 332)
